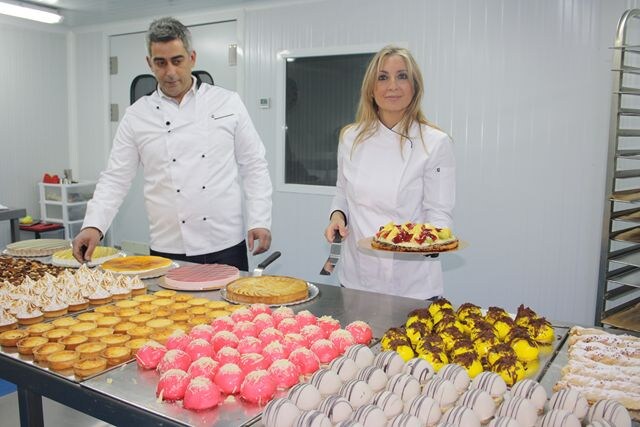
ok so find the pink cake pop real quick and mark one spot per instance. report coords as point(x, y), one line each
point(199, 348)
point(270, 334)
point(259, 308)
point(274, 351)
point(229, 378)
point(281, 313)
point(204, 332)
point(263, 321)
point(285, 372)
point(203, 367)
point(242, 314)
point(289, 326)
point(258, 387)
point(249, 345)
point(312, 333)
point(341, 339)
point(224, 339)
point(150, 354)
point(172, 384)
point(178, 340)
point(325, 350)
point(328, 324)
point(201, 393)
point(305, 360)
point(305, 317)
point(294, 341)
point(245, 328)
point(228, 355)
point(174, 359)
point(361, 331)
point(224, 323)
point(253, 362)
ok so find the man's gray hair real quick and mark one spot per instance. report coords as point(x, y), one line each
point(167, 29)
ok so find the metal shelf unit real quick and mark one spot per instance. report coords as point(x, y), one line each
point(618, 299)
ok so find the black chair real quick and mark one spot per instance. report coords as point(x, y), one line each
point(145, 84)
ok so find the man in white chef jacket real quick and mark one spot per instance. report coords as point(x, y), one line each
point(200, 152)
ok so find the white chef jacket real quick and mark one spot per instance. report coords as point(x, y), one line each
point(381, 181)
point(196, 157)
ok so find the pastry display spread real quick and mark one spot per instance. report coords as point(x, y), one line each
point(409, 237)
point(101, 254)
point(36, 247)
point(201, 277)
point(603, 366)
point(267, 290)
point(141, 265)
point(491, 341)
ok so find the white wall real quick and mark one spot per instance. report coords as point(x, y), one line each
point(523, 88)
point(33, 113)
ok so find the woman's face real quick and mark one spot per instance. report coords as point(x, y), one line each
point(393, 90)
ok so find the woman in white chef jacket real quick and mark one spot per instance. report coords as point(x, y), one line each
point(393, 165)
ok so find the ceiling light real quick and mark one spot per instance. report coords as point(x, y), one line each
point(29, 11)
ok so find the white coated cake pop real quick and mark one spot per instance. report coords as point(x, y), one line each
point(570, 400)
point(404, 420)
point(336, 408)
point(520, 409)
point(280, 413)
point(609, 410)
point(357, 392)
point(559, 418)
point(326, 381)
point(404, 385)
point(461, 416)
point(492, 383)
point(390, 362)
point(312, 419)
point(532, 390)
point(304, 396)
point(457, 375)
point(420, 369)
point(370, 416)
point(361, 354)
point(425, 408)
point(375, 377)
point(345, 368)
point(389, 402)
point(480, 402)
point(442, 391)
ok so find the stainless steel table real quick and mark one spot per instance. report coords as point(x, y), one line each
point(13, 215)
point(126, 395)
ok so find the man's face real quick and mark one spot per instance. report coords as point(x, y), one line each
point(172, 64)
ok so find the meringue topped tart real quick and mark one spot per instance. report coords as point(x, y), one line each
point(100, 254)
point(410, 237)
point(141, 265)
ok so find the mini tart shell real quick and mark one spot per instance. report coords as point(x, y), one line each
point(26, 345)
point(90, 349)
point(141, 319)
point(9, 326)
point(97, 333)
point(57, 334)
point(147, 307)
point(162, 312)
point(108, 321)
point(48, 314)
point(106, 309)
point(127, 304)
point(37, 329)
point(234, 307)
point(162, 302)
point(139, 291)
point(179, 307)
point(135, 344)
point(10, 338)
point(79, 306)
point(86, 367)
point(73, 341)
point(30, 320)
point(65, 322)
point(217, 313)
point(199, 320)
point(83, 327)
point(115, 339)
point(116, 355)
point(127, 312)
point(161, 336)
point(123, 327)
point(182, 297)
point(165, 293)
point(198, 301)
point(62, 360)
point(199, 310)
point(218, 305)
point(159, 323)
point(91, 316)
point(121, 296)
point(41, 352)
point(144, 298)
point(100, 301)
point(140, 332)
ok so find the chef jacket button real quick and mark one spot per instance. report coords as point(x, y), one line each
point(203, 187)
point(174, 160)
point(157, 107)
point(203, 156)
point(178, 190)
point(168, 123)
point(204, 219)
point(169, 131)
point(183, 221)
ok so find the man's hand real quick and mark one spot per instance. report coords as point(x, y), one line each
point(261, 234)
point(84, 244)
point(337, 223)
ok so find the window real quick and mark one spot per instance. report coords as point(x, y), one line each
point(322, 94)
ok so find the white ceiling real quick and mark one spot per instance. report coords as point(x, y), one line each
point(90, 12)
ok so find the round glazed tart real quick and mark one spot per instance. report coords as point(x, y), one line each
point(39, 328)
point(26, 345)
point(89, 317)
point(116, 355)
point(140, 332)
point(86, 367)
point(97, 333)
point(65, 258)
point(136, 344)
point(41, 352)
point(83, 327)
point(72, 341)
point(201, 277)
point(115, 339)
point(90, 349)
point(65, 322)
point(159, 323)
point(127, 303)
point(137, 265)
point(56, 334)
point(10, 338)
point(61, 360)
point(108, 321)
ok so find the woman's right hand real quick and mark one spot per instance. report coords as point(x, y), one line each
point(337, 223)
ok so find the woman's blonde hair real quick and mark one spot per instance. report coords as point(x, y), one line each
point(367, 115)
